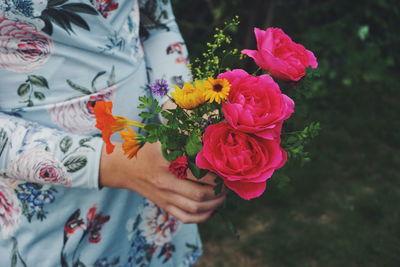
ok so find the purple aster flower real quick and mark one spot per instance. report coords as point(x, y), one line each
point(159, 87)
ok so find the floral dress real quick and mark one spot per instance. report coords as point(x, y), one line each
point(57, 58)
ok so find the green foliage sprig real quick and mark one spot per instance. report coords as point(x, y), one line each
point(211, 62)
point(295, 142)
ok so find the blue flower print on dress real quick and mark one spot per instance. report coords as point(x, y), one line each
point(33, 198)
point(28, 11)
point(151, 233)
point(115, 42)
point(104, 262)
point(192, 256)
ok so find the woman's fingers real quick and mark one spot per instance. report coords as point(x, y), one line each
point(186, 217)
point(195, 207)
point(209, 178)
point(186, 188)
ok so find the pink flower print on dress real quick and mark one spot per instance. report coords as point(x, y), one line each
point(158, 226)
point(10, 211)
point(73, 223)
point(95, 222)
point(180, 50)
point(22, 47)
point(104, 7)
point(77, 115)
point(39, 166)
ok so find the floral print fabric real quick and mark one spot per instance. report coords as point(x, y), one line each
point(57, 59)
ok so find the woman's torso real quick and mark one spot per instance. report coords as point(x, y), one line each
point(57, 59)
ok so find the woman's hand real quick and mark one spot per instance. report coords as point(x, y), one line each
point(190, 200)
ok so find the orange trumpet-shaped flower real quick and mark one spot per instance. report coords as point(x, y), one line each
point(132, 142)
point(109, 124)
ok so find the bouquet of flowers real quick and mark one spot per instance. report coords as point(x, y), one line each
point(226, 121)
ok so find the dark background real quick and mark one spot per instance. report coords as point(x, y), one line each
point(342, 208)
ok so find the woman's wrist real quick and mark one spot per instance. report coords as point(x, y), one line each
point(110, 168)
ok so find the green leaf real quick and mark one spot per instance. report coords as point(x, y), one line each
point(3, 140)
point(38, 81)
point(157, 109)
point(39, 95)
point(111, 78)
point(58, 18)
point(14, 258)
point(145, 100)
point(166, 115)
point(75, 163)
point(81, 8)
point(96, 77)
point(150, 127)
point(65, 144)
point(75, 19)
point(363, 32)
point(79, 88)
point(282, 181)
point(291, 139)
point(170, 155)
point(146, 115)
point(84, 140)
point(89, 147)
point(52, 3)
point(23, 89)
point(193, 145)
point(30, 103)
point(151, 138)
point(196, 171)
point(48, 27)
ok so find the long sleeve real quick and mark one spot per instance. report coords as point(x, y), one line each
point(165, 51)
point(34, 153)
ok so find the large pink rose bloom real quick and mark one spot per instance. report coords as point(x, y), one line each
point(256, 104)
point(277, 53)
point(243, 161)
point(22, 47)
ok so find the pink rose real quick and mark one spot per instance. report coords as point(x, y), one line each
point(77, 115)
point(243, 161)
point(179, 167)
point(255, 104)
point(39, 166)
point(22, 47)
point(278, 54)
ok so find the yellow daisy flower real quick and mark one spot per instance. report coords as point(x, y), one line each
point(216, 89)
point(189, 96)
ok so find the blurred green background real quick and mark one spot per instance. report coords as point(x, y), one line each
point(342, 208)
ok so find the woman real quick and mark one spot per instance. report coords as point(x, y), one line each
point(63, 202)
